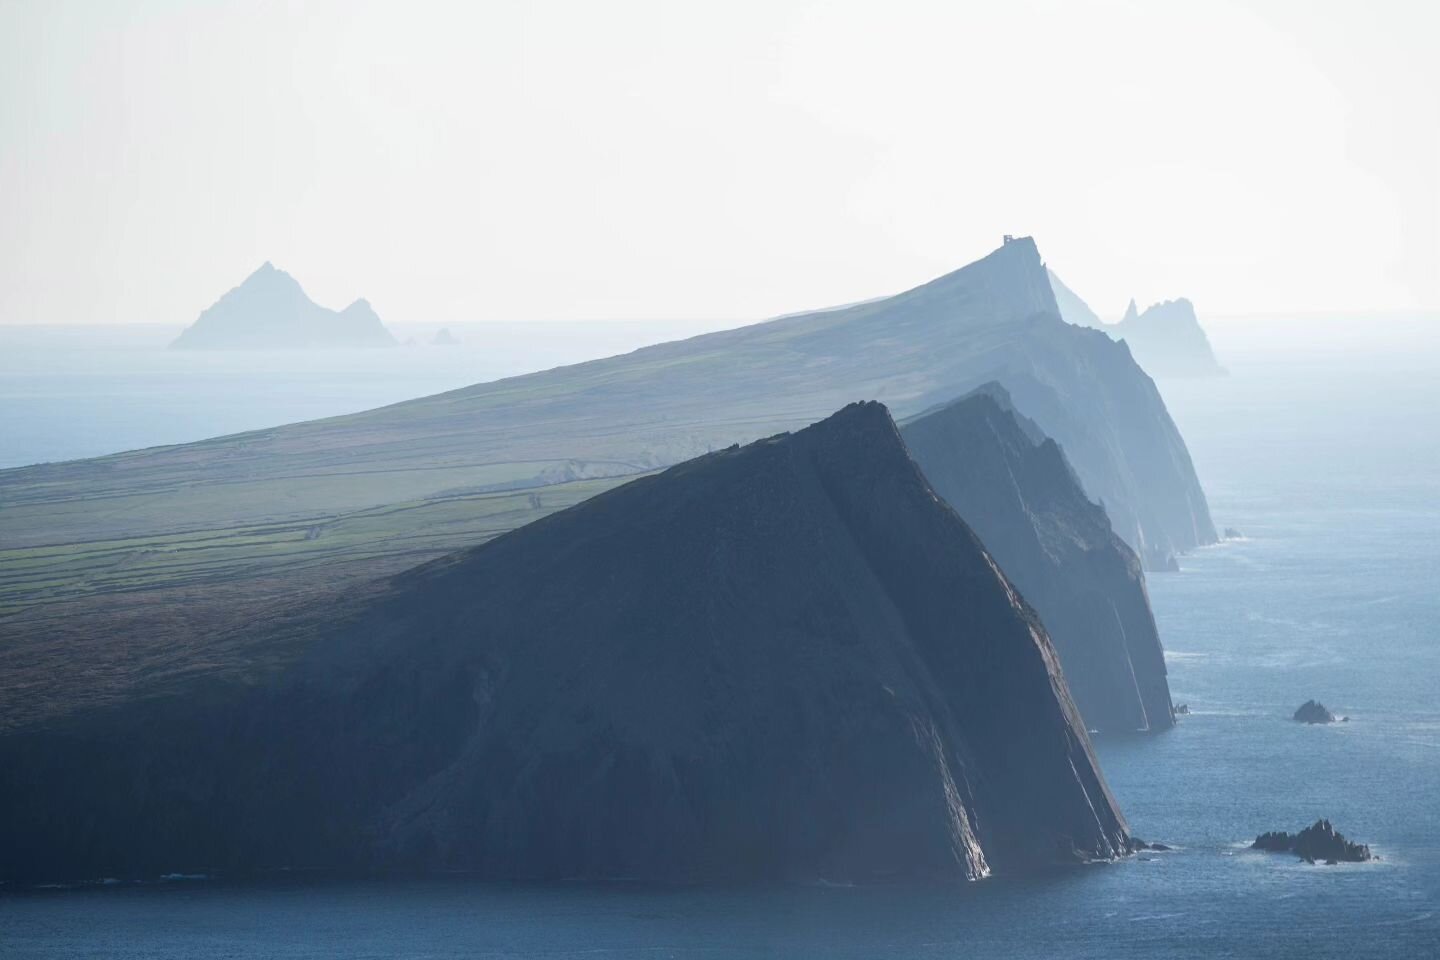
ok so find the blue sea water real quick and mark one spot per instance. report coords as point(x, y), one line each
point(1330, 467)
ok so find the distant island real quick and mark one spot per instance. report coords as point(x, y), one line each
point(1166, 338)
point(1313, 711)
point(1318, 843)
point(270, 311)
point(444, 338)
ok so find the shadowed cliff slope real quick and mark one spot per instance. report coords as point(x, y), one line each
point(1014, 487)
point(789, 659)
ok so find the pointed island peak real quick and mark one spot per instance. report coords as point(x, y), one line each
point(270, 310)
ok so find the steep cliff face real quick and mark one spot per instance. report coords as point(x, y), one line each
point(1072, 308)
point(789, 659)
point(1014, 487)
point(270, 311)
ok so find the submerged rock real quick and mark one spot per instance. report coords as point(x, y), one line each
point(1313, 711)
point(1318, 842)
point(1157, 847)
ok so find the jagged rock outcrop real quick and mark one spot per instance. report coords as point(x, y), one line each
point(1313, 711)
point(1319, 842)
point(1014, 487)
point(271, 311)
point(789, 659)
point(1166, 338)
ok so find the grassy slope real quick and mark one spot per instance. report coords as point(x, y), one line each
point(619, 416)
point(121, 574)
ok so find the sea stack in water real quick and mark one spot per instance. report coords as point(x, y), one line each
point(1313, 711)
point(269, 311)
point(1319, 842)
point(1013, 485)
point(1166, 339)
point(784, 660)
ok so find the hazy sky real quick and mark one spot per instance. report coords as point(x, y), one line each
point(492, 160)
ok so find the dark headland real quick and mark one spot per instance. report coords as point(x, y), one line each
point(789, 659)
point(270, 311)
point(1013, 485)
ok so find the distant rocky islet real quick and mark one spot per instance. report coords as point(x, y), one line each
point(1318, 843)
point(270, 311)
point(1166, 337)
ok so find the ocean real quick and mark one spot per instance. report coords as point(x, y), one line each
point(1326, 459)
point(68, 392)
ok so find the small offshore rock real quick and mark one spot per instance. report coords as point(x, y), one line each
point(1313, 711)
point(1319, 841)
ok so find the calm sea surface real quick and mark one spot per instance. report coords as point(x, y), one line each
point(85, 391)
point(1330, 466)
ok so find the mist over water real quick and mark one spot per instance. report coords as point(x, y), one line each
point(85, 391)
point(1327, 461)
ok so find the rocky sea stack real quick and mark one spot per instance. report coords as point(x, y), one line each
point(1015, 487)
point(1318, 843)
point(270, 311)
point(995, 319)
point(1313, 711)
point(784, 660)
point(1166, 338)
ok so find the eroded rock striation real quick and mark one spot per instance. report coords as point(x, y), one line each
point(789, 659)
point(1014, 486)
point(1319, 842)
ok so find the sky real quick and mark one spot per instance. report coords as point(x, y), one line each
point(655, 160)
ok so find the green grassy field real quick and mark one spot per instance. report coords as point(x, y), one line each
point(411, 530)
